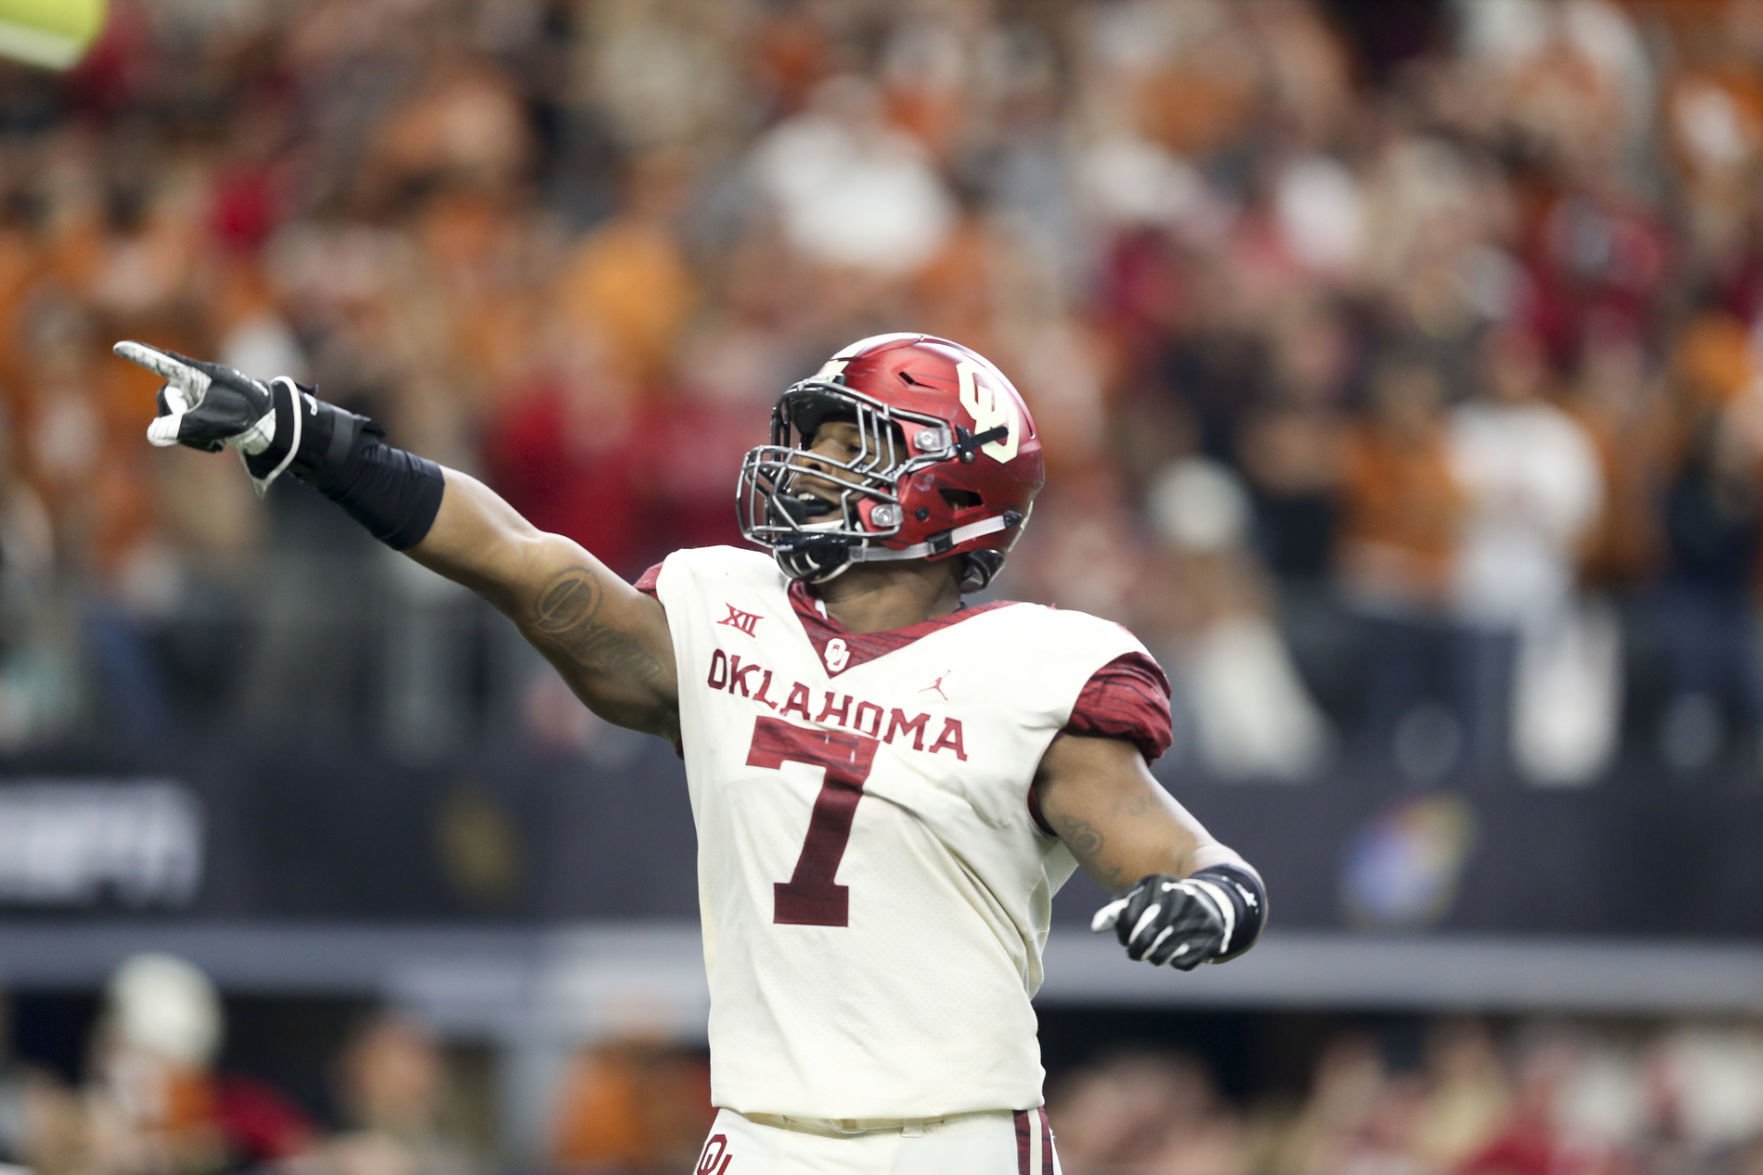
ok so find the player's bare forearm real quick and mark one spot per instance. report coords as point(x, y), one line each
point(1118, 821)
point(609, 641)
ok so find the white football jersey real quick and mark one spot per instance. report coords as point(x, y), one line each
point(874, 891)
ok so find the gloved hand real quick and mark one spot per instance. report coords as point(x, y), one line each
point(280, 427)
point(1181, 921)
point(209, 406)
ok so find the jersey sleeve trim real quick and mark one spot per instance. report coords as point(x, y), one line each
point(1127, 698)
point(649, 582)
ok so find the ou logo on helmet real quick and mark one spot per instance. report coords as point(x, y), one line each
point(989, 409)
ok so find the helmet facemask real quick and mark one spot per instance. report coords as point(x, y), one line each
point(818, 514)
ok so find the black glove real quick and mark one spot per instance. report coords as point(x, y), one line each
point(1214, 915)
point(209, 406)
point(280, 427)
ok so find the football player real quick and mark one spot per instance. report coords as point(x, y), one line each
point(889, 785)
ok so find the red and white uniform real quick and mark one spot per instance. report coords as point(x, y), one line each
point(874, 887)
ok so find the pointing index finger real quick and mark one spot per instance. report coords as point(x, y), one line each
point(173, 369)
point(152, 358)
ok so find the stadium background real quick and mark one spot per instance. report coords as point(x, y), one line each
point(1401, 368)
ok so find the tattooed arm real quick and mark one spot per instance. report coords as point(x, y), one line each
point(1099, 797)
point(608, 640)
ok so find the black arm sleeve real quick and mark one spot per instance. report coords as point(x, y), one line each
point(394, 494)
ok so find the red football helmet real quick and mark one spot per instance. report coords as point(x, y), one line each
point(948, 466)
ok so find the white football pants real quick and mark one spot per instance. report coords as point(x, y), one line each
point(993, 1143)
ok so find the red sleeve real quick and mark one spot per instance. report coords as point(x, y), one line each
point(646, 581)
point(1127, 698)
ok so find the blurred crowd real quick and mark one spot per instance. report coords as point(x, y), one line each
point(156, 1094)
point(151, 1097)
point(1539, 1099)
point(160, 1090)
point(1398, 365)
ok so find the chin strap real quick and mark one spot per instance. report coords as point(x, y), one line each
point(798, 563)
point(940, 544)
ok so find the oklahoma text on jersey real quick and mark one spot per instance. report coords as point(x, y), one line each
point(747, 678)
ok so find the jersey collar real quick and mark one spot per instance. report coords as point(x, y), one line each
point(856, 648)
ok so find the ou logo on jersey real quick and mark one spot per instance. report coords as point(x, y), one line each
point(989, 409)
point(838, 655)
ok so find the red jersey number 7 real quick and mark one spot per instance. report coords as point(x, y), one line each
point(811, 897)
